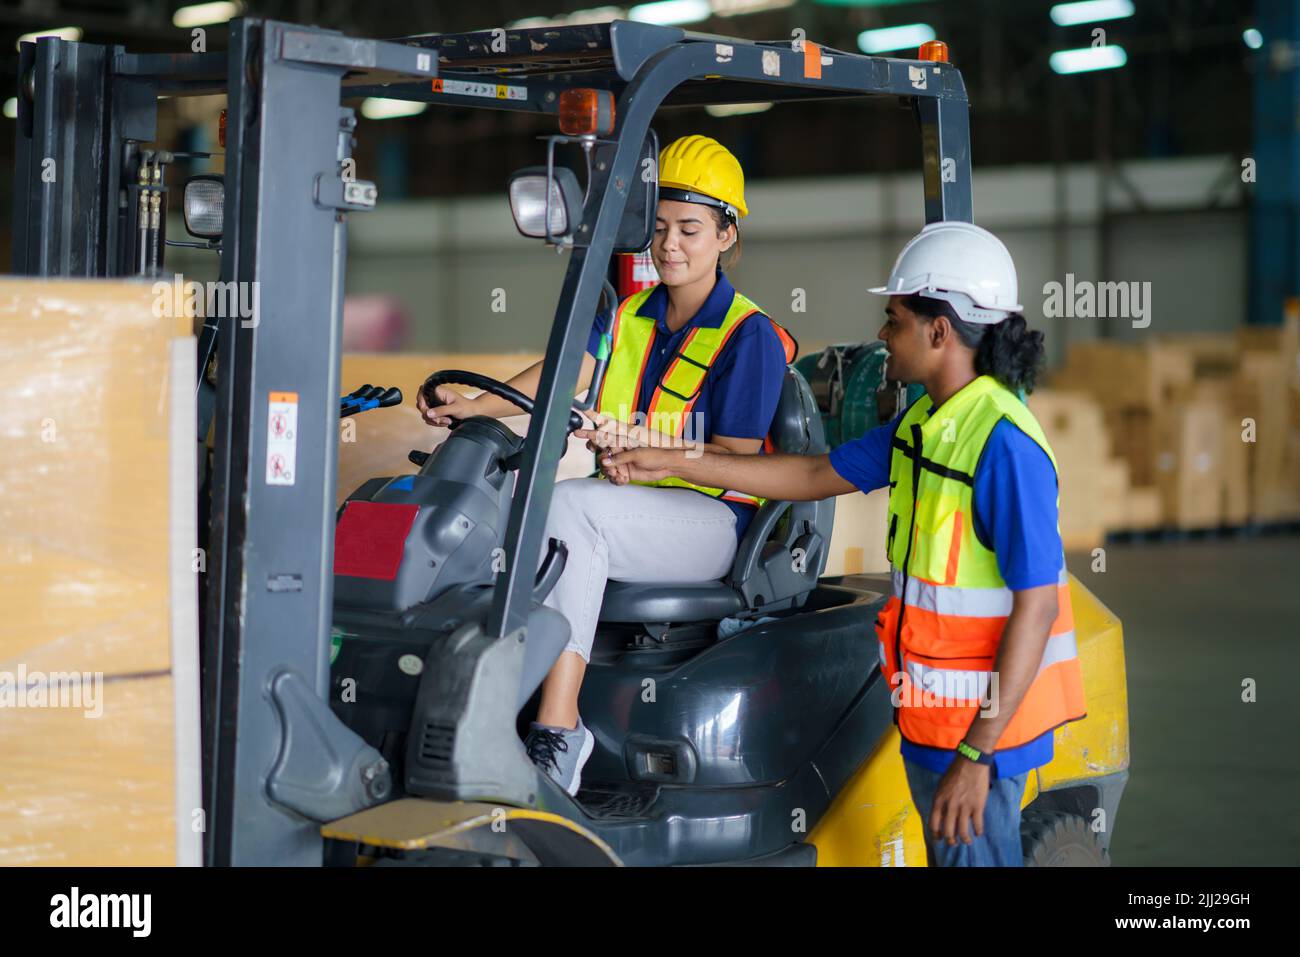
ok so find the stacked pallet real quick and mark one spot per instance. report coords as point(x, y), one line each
point(1207, 426)
point(1096, 494)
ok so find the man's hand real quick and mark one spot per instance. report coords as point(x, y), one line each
point(448, 405)
point(959, 802)
point(639, 465)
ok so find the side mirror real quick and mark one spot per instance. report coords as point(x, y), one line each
point(205, 204)
point(541, 212)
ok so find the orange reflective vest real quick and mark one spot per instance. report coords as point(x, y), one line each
point(940, 630)
point(679, 387)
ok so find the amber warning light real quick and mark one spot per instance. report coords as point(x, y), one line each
point(586, 112)
point(934, 50)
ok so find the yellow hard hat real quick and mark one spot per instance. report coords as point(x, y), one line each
point(698, 169)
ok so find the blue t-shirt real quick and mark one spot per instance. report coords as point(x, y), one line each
point(740, 392)
point(1015, 515)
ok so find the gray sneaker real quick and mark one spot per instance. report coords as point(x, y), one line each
point(560, 752)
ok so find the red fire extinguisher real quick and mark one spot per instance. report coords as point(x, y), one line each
point(636, 271)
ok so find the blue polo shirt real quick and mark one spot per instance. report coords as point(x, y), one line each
point(740, 391)
point(1015, 515)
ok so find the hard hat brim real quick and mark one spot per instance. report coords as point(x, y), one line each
point(697, 197)
point(922, 288)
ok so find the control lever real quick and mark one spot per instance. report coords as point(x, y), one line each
point(557, 556)
point(369, 397)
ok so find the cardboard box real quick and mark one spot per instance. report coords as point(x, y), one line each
point(1120, 375)
point(1189, 464)
point(1114, 493)
point(1075, 429)
point(98, 578)
point(1262, 410)
point(1144, 510)
point(858, 538)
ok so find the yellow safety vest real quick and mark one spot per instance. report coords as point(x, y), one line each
point(940, 630)
point(632, 336)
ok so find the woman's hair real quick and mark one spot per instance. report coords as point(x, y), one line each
point(1009, 350)
point(723, 221)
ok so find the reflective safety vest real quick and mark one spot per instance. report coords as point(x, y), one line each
point(940, 630)
point(632, 336)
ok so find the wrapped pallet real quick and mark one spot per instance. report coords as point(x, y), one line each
point(99, 706)
point(1262, 405)
point(1189, 462)
point(1074, 426)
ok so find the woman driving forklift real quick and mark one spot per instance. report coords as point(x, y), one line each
point(693, 358)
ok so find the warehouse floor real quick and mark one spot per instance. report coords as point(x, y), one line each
point(1214, 780)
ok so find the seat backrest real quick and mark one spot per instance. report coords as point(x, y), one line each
point(797, 425)
point(780, 556)
point(785, 548)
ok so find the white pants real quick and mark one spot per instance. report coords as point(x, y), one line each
point(632, 533)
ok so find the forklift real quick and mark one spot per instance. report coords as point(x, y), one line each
point(366, 669)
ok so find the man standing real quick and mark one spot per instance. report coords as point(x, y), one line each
point(977, 638)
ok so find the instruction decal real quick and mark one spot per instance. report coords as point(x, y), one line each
point(281, 438)
point(493, 91)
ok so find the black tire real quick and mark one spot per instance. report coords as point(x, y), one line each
point(1060, 839)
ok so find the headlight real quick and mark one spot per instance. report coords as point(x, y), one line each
point(205, 203)
point(528, 199)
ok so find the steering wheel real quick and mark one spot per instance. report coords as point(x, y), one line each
point(493, 386)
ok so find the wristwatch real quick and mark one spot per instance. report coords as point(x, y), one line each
point(974, 754)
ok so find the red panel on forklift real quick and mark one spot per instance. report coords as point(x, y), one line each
point(370, 539)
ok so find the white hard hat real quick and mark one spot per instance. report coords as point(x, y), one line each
point(962, 264)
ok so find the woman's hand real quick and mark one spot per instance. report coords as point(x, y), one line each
point(607, 434)
point(605, 438)
point(610, 433)
point(450, 405)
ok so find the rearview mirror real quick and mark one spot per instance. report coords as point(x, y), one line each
point(205, 204)
point(543, 213)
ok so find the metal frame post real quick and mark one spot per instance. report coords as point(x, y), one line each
point(270, 595)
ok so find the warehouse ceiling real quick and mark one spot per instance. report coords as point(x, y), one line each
point(1184, 90)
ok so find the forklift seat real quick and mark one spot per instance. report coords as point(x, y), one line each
point(768, 573)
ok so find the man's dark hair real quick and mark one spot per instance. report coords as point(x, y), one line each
point(1009, 351)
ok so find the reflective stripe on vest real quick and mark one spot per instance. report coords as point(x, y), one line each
point(940, 630)
point(674, 397)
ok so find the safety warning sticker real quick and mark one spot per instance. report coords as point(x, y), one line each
point(495, 91)
point(281, 438)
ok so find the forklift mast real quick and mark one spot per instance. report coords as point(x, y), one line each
point(86, 113)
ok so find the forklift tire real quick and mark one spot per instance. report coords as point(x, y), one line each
point(1060, 839)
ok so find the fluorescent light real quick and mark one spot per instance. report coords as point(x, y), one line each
point(667, 12)
point(380, 108)
point(734, 8)
point(1090, 11)
point(736, 109)
point(204, 14)
point(1088, 58)
point(895, 38)
point(1254, 39)
point(11, 108)
point(595, 15)
point(576, 18)
point(63, 33)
